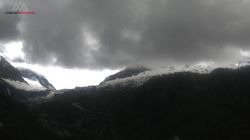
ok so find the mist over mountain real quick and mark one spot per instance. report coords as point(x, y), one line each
point(127, 72)
point(27, 73)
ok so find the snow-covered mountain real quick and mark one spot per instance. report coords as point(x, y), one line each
point(13, 84)
point(136, 76)
point(127, 72)
point(7, 71)
point(187, 102)
point(177, 103)
point(35, 78)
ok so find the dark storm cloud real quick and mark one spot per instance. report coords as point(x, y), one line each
point(114, 33)
point(8, 24)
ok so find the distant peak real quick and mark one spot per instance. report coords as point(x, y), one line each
point(7, 71)
point(127, 72)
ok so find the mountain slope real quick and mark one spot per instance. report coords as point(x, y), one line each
point(18, 120)
point(127, 72)
point(175, 106)
point(31, 75)
point(14, 85)
point(9, 72)
point(182, 105)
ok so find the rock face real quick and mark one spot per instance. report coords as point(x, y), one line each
point(127, 72)
point(31, 75)
point(7, 71)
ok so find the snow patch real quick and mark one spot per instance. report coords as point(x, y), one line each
point(23, 86)
point(33, 82)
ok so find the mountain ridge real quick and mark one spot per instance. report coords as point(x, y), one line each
point(179, 105)
point(127, 72)
point(29, 74)
point(8, 71)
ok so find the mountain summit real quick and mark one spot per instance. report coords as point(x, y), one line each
point(127, 72)
point(7, 71)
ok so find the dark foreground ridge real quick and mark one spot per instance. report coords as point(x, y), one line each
point(179, 106)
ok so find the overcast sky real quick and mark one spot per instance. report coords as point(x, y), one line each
point(111, 34)
point(101, 34)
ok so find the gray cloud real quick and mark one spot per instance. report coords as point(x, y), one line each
point(8, 24)
point(114, 33)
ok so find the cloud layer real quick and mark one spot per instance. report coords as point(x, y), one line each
point(115, 33)
point(8, 24)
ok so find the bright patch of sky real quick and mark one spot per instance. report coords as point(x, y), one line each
point(245, 53)
point(61, 78)
point(68, 78)
point(12, 50)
